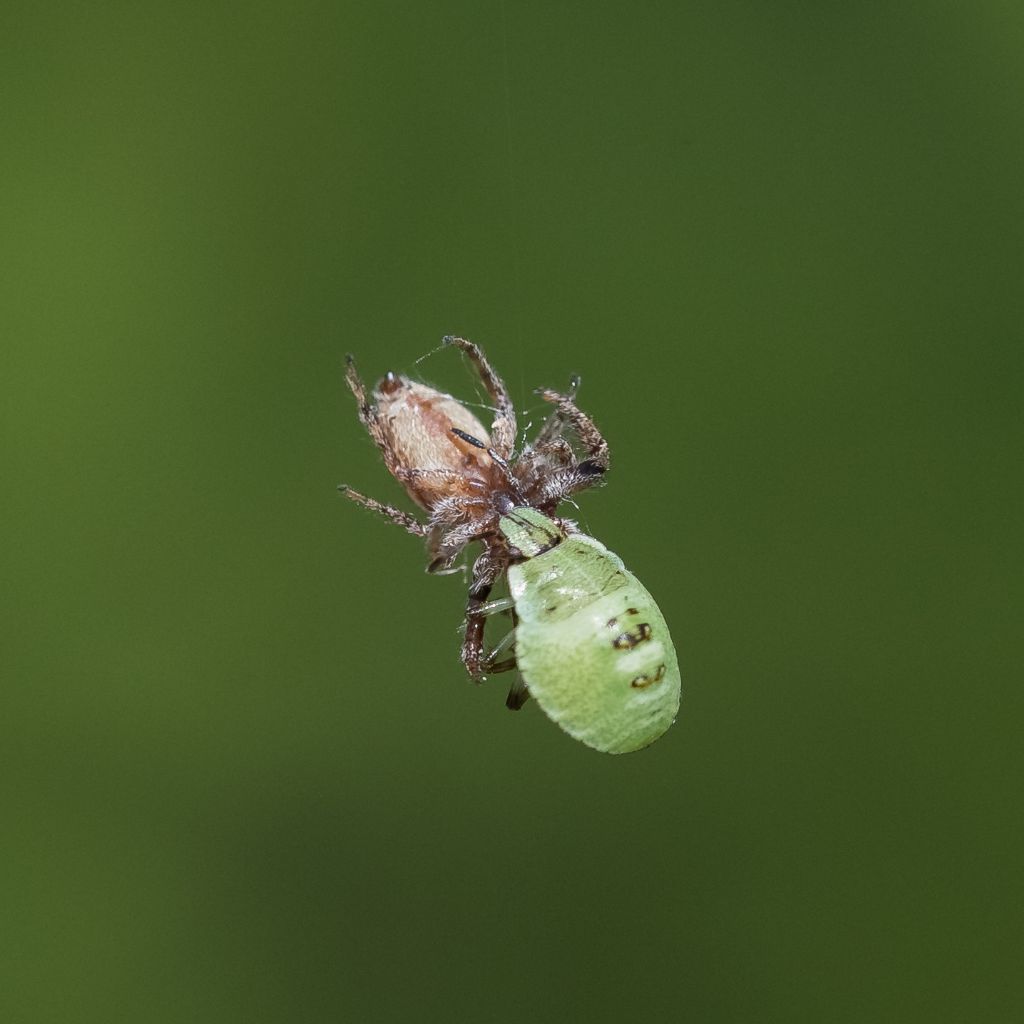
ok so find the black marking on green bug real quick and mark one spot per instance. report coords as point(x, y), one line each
point(644, 680)
point(627, 641)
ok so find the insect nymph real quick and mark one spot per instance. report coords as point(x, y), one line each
point(589, 642)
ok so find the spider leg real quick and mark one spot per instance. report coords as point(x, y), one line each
point(552, 428)
point(557, 451)
point(447, 542)
point(395, 515)
point(503, 429)
point(598, 459)
point(405, 476)
point(367, 411)
point(485, 574)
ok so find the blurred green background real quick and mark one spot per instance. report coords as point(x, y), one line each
point(245, 776)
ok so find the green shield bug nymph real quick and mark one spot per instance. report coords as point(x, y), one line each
point(587, 639)
point(590, 642)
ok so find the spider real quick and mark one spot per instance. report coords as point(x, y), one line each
point(466, 478)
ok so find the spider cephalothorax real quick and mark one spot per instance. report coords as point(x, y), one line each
point(466, 477)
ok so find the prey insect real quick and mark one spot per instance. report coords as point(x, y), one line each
point(588, 640)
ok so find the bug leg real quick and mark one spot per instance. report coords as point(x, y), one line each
point(493, 668)
point(598, 459)
point(502, 604)
point(491, 663)
point(503, 430)
point(490, 666)
point(518, 694)
point(395, 515)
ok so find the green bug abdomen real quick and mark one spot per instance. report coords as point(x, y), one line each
point(593, 646)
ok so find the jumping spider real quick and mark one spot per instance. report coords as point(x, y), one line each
point(467, 478)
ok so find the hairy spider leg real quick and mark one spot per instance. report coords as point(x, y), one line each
point(368, 417)
point(486, 572)
point(406, 475)
point(389, 512)
point(478, 610)
point(445, 545)
point(503, 429)
point(553, 425)
point(598, 459)
point(368, 412)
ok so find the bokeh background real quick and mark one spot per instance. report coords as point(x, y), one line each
point(246, 779)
